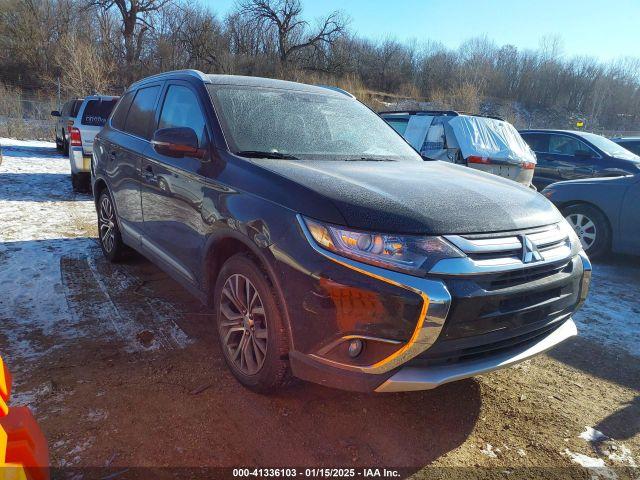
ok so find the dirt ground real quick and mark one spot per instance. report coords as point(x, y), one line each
point(122, 369)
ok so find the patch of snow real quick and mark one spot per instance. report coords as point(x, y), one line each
point(489, 451)
point(596, 465)
point(52, 292)
point(97, 415)
point(611, 313)
point(592, 435)
point(621, 454)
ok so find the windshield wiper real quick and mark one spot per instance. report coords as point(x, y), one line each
point(367, 159)
point(265, 154)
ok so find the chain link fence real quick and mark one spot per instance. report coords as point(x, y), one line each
point(26, 116)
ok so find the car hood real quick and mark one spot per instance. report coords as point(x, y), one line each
point(418, 197)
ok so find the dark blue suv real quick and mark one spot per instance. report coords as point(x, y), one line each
point(328, 249)
point(567, 155)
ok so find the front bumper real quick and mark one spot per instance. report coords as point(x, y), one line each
point(80, 162)
point(425, 378)
point(466, 324)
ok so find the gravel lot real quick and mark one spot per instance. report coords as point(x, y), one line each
point(122, 369)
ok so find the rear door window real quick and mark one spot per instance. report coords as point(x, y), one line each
point(538, 142)
point(142, 111)
point(120, 114)
point(96, 112)
point(632, 146)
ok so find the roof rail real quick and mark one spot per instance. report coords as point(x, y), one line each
point(193, 73)
point(452, 113)
point(337, 89)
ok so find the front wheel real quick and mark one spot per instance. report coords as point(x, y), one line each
point(251, 331)
point(108, 230)
point(592, 228)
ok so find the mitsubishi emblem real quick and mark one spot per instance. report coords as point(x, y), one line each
point(530, 252)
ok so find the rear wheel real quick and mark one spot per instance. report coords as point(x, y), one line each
point(591, 226)
point(251, 330)
point(108, 231)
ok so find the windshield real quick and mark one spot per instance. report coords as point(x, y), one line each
point(610, 148)
point(305, 126)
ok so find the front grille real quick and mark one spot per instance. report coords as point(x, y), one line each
point(487, 253)
point(519, 277)
point(497, 308)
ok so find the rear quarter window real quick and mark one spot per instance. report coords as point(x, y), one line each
point(96, 112)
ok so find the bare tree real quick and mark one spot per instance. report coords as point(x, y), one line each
point(136, 18)
point(292, 31)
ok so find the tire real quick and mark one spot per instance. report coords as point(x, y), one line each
point(109, 235)
point(65, 145)
point(261, 365)
point(59, 145)
point(75, 182)
point(592, 228)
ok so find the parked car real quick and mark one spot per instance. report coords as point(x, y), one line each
point(91, 117)
point(325, 244)
point(568, 155)
point(65, 117)
point(604, 212)
point(630, 143)
point(485, 143)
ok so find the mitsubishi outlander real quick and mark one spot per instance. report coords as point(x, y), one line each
point(328, 249)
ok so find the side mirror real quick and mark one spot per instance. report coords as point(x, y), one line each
point(584, 153)
point(177, 142)
point(55, 113)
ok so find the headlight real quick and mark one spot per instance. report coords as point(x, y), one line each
point(409, 254)
point(576, 245)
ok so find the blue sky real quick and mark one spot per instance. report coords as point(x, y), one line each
point(604, 29)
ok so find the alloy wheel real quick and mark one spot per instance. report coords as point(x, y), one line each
point(106, 224)
point(243, 324)
point(584, 228)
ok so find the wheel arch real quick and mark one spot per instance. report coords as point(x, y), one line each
point(223, 246)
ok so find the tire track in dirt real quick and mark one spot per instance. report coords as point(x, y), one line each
point(151, 318)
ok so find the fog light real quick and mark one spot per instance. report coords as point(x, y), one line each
point(355, 347)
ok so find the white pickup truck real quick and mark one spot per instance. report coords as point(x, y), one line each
point(91, 117)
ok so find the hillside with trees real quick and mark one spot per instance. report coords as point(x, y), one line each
point(76, 47)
